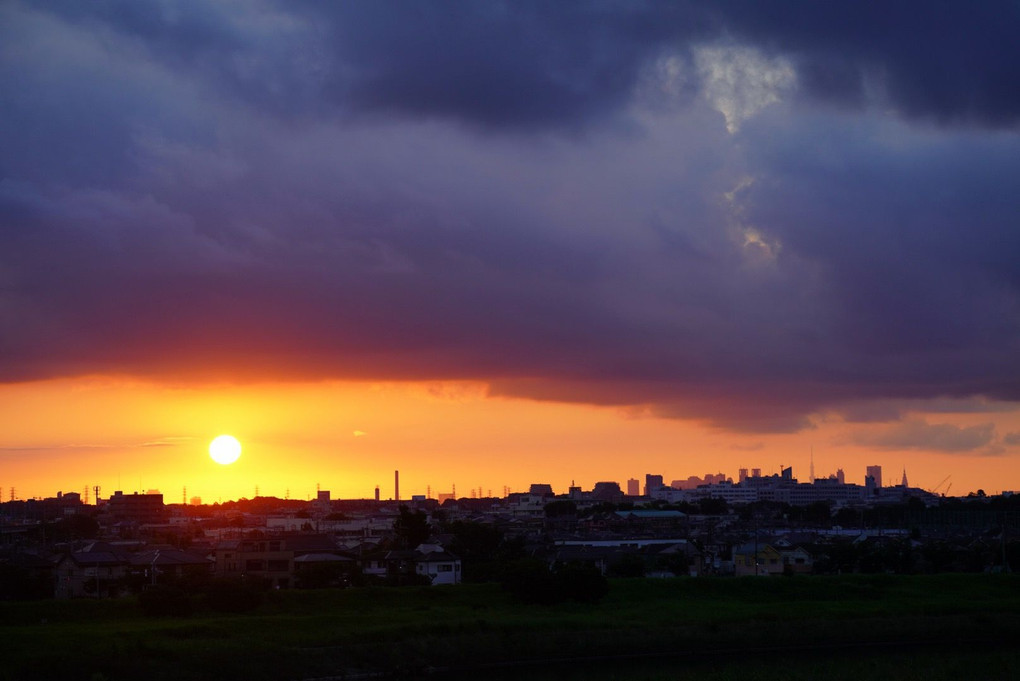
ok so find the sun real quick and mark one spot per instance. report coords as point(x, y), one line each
point(225, 449)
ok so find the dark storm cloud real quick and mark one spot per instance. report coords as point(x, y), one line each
point(944, 61)
point(915, 242)
point(286, 190)
point(537, 63)
point(528, 65)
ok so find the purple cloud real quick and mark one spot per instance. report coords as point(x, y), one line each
point(707, 212)
point(919, 434)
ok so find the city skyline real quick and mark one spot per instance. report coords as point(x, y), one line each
point(492, 244)
point(872, 475)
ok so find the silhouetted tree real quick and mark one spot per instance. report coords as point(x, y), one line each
point(478, 546)
point(20, 584)
point(411, 528)
point(77, 526)
point(713, 506)
point(560, 508)
point(581, 582)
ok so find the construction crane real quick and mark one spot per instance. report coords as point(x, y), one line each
point(935, 489)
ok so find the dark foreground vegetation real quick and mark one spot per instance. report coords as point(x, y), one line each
point(841, 627)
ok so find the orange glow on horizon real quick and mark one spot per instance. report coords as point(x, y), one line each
point(345, 437)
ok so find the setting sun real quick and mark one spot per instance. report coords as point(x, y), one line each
point(225, 449)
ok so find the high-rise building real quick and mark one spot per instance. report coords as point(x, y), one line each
point(875, 472)
point(634, 487)
point(653, 483)
point(742, 475)
point(755, 472)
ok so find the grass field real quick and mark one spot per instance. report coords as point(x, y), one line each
point(851, 627)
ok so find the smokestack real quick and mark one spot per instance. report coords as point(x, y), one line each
point(396, 485)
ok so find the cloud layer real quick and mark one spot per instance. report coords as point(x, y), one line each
point(743, 214)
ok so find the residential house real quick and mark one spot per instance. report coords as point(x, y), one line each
point(97, 571)
point(267, 559)
point(757, 560)
point(438, 564)
point(797, 560)
point(428, 560)
point(161, 565)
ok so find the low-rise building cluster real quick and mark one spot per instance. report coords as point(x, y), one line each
point(761, 526)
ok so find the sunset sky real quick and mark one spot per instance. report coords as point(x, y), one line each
point(490, 244)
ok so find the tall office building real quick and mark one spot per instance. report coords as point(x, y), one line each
point(875, 472)
point(653, 483)
point(634, 487)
